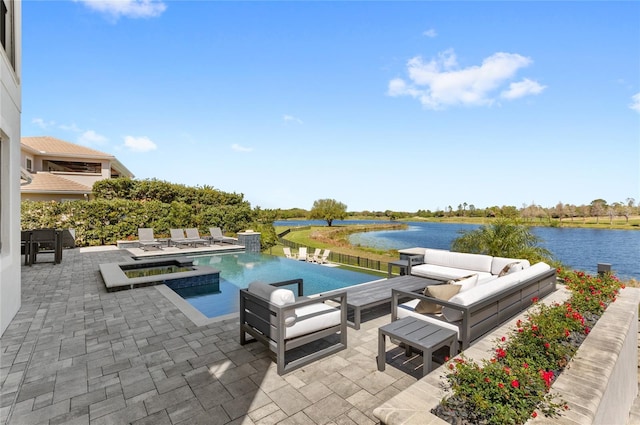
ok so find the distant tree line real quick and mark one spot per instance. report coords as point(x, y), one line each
point(598, 208)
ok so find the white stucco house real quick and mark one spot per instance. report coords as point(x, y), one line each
point(10, 170)
point(63, 171)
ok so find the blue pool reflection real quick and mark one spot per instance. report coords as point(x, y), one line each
point(239, 269)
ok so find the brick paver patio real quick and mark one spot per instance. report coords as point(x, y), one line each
point(78, 354)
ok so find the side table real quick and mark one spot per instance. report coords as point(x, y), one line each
point(418, 334)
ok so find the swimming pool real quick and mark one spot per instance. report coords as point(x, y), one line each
point(237, 270)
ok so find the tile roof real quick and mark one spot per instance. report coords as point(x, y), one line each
point(51, 145)
point(47, 182)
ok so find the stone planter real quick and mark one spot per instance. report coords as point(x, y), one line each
point(599, 385)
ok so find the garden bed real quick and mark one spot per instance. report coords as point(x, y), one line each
point(596, 384)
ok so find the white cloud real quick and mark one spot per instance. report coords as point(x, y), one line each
point(238, 148)
point(431, 33)
point(635, 102)
point(522, 88)
point(90, 137)
point(70, 127)
point(291, 118)
point(127, 8)
point(42, 123)
point(441, 82)
point(139, 144)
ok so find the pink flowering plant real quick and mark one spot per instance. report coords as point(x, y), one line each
point(514, 384)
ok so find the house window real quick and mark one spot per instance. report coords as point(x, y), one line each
point(72, 167)
point(7, 38)
point(29, 164)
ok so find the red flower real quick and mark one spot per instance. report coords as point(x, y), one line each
point(534, 300)
point(500, 385)
point(451, 366)
point(501, 353)
point(515, 383)
point(587, 330)
point(486, 379)
point(566, 333)
point(446, 358)
point(546, 345)
point(503, 339)
point(547, 377)
point(525, 365)
point(534, 415)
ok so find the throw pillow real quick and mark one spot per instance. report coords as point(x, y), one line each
point(466, 282)
point(441, 292)
point(510, 268)
point(277, 296)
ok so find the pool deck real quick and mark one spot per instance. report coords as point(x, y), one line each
point(77, 354)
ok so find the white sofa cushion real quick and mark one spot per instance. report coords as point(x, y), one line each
point(408, 310)
point(483, 291)
point(458, 260)
point(326, 317)
point(445, 273)
point(277, 296)
point(466, 282)
point(498, 263)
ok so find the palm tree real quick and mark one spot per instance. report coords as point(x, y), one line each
point(503, 238)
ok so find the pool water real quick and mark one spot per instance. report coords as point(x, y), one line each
point(239, 269)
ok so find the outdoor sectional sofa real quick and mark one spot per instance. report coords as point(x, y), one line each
point(502, 288)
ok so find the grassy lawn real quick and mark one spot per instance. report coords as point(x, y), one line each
point(336, 239)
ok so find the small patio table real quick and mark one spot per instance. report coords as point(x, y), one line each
point(419, 334)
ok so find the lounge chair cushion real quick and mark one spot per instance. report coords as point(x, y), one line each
point(441, 292)
point(277, 296)
point(311, 318)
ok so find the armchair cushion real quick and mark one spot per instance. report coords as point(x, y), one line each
point(277, 296)
point(441, 292)
point(311, 318)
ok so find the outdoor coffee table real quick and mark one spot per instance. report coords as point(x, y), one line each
point(419, 334)
point(375, 293)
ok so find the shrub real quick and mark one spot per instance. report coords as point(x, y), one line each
point(516, 380)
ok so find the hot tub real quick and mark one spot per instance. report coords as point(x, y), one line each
point(173, 272)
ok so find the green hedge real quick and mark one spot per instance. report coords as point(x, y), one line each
point(104, 222)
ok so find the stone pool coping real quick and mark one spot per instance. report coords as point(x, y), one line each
point(115, 278)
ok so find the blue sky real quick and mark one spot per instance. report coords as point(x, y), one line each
point(379, 105)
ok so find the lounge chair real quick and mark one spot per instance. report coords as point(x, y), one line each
point(193, 236)
point(313, 258)
point(217, 236)
point(146, 239)
point(325, 256)
point(283, 322)
point(287, 253)
point(302, 253)
point(178, 239)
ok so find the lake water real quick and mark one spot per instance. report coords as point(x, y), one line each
point(580, 249)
